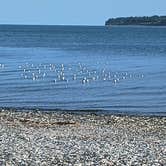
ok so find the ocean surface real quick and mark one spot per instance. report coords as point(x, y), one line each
point(109, 69)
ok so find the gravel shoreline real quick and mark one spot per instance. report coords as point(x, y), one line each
point(57, 138)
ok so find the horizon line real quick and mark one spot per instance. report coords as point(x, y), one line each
point(26, 24)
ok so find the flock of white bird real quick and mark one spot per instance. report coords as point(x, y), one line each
point(59, 73)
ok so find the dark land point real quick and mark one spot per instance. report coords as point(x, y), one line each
point(153, 21)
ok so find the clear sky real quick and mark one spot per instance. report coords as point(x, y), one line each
point(75, 12)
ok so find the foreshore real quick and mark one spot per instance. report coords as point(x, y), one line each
point(61, 138)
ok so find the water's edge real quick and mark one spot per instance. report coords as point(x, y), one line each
point(83, 111)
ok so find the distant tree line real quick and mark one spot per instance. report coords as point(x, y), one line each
point(154, 20)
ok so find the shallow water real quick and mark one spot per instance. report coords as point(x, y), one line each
point(117, 69)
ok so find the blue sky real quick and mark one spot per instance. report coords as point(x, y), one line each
point(75, 12)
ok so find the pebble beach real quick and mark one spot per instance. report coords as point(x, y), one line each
point(61, 138)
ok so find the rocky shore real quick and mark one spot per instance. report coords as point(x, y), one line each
point(58, 138)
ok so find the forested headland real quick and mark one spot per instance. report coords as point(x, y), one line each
point(153, 20)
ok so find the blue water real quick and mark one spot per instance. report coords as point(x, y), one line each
point(116, 70)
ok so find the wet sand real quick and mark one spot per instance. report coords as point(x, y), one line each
point(60, 138)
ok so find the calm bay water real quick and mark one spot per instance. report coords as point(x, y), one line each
point(117, 69)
